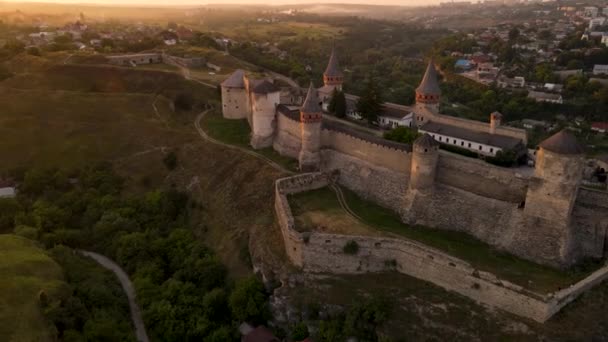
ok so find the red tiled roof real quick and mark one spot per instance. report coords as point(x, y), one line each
point(600, 125)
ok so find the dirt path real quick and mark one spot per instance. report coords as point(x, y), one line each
point(205, 136)
point(127, 286)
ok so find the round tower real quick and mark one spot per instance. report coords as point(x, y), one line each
point(495, 121)
point(333, 76)
point(265, 96)
point(428, 93)
point(424, 163)
point(551, 194)
point(311, 116)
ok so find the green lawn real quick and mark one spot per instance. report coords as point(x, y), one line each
point(25, 269)
point(479, 254)
point(237, 132)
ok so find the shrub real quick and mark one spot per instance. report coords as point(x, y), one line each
point(459, 150)
point(404, 135)
point(27, 232)
point(184, 101)
point(299, 332)
point(170, 160)
point(351, 247)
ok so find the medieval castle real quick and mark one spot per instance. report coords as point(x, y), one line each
point(546, 217)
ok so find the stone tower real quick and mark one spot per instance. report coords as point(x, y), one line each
point(311, 116)
point(495, 121)
point(424, 163)
point(428, 95)
point(550, 198)
point(235, 103)
point(264, 98)
point(333, 76)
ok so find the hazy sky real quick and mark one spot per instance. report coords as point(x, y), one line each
point(271, 2)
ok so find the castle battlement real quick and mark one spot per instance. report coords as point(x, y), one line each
point(542, 217)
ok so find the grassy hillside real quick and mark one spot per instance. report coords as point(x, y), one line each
point(26, 269)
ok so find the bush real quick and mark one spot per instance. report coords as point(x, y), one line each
point(404, 135)
point(34, 51)
point(170, 160)
point(351, 247)
point(459, 150)
point(27, 232)
point(184, 101)
point(299, 332)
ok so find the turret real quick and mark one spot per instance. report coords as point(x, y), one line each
point(311, 116)
point(234, 96)
point(265, 96)
point(424, 163)
point(495, 120)
point(333, 76)
point(551, 195)
point(428, 92)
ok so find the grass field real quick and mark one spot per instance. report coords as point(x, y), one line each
point(25, 269)
point(480, 255)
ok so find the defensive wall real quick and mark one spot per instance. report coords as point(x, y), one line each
point(476, 176)
point(320, 252)
point(470, 124)
point(288, 141)
point(374, 168)
point(590, 219)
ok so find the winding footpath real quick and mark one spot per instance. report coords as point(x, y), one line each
point(205, 136)
point(127, 286)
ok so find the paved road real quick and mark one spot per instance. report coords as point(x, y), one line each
point(127, 286)
point(205, 136)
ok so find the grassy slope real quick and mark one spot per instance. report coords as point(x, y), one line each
point(479, 254)
point(25, 269)
point(74, 115)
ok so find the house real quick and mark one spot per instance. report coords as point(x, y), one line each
point(600, 127)
point(563, 74)
point(463, 64)
point(395, 117)
point(553, 87)
point(515, 82)
point(540, 96)
point(258, 334)
point(7, 192)
point(600, 69)
point(605, 39)
point(590, 11)
point(483, 143)
point(531, 124)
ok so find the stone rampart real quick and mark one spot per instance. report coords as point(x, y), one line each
point(320, 252)
point(380, 185)
point(481, 178)
point(590, 217)
point(374, 150)
point(288, 141)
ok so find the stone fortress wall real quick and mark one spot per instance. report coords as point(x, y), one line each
point(320, 252)
point(288, 140)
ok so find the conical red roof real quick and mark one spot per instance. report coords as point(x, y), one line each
point(562, 142)
point(429, 84)
point(333, 69)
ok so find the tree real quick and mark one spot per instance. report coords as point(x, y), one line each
point(184, 101)
point(248, 302)
point(34, 51)
point(513, 34)
point(370, 104)
point(337, 104)
point(170, 160)
point(402, 134)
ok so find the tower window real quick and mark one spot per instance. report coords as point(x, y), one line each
point(462, 143)
point(492, 150)
point(480, 147)
point(469, 144)
point(454, 141)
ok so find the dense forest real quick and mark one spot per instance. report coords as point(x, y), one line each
point(184, 291)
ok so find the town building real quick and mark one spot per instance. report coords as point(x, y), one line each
point(600, 69)
point(540, 96)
